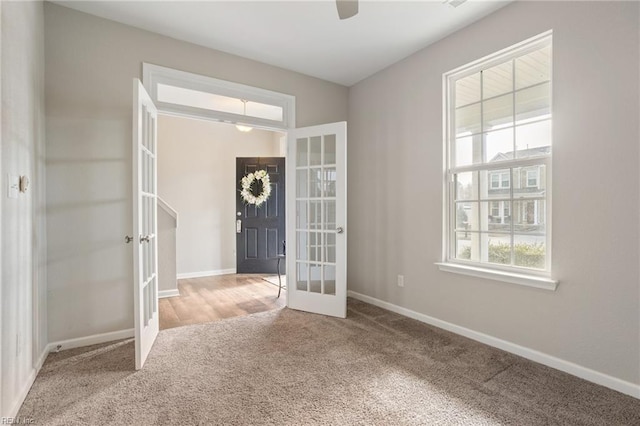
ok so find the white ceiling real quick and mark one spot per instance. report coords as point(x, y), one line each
point(303, 36)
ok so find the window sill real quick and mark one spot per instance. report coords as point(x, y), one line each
point(509, 277)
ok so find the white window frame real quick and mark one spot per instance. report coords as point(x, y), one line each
point(513, 274)
point(155, 74)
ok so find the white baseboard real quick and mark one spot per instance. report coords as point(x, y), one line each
point(588, 374)
point(206, 273)
point(42, 358)
point(17, 403)
point(64, 344)
point(90, 340)
point(168, 293)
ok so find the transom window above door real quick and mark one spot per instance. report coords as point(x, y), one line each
point(193, 95)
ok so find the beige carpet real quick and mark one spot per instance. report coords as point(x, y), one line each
point(293, 368)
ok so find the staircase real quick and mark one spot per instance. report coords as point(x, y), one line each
point(167, 272)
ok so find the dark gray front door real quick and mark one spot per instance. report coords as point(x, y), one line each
point(262, 230)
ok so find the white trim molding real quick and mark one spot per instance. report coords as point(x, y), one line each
point(63, 344)
point(168, 293)
point(206, 273)
point(497, 275)
point(90, 340)
point(19, 399)
point(154, 75)
point(585, 373)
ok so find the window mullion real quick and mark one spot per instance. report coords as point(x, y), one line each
point(512, 227)
point(515, 155)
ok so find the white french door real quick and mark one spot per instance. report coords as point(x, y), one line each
point(145, 205)
point(316, 219)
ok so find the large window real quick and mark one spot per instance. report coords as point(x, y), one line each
point(498, 166)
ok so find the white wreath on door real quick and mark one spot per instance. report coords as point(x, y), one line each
point(247, 194)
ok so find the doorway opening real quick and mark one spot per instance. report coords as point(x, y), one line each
point(214, 236)
point(217, 255)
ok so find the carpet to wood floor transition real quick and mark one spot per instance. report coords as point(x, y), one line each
point(294, 368)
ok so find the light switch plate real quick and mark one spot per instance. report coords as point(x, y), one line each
point(13, 186)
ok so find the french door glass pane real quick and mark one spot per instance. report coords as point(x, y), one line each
point(315, 182)
point(303, 152)
point(329, 182)
point(330, 215)
point(316, 215)
point(302, 245)
point(315, 247)
point(302, 217)
point(302, 185)
point(315, 278)
point(329, 149)
point(315, 151)
point(330, 279)
point(302, 274)
point(329, 247)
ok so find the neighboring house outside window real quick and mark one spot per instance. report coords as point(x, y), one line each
point(499, 179)
point(532, 177)
point(498, 164)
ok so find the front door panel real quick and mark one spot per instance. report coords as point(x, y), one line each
point(261, 230)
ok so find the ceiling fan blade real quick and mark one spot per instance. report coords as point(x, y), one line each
point(347, 8)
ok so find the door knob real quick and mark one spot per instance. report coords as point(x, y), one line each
point(144, 239)
point(339, 230)
point(128, 239)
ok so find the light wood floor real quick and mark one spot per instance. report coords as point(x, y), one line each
point(213, 298)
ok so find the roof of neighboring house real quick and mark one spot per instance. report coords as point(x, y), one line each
point(522, 153)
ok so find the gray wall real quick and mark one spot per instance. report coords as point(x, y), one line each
point(197, 177)
point(23, 286)
point(395, 187)
point(90, 63)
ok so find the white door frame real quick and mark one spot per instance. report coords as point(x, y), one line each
point(154, 75)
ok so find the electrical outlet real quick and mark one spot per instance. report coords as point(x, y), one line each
point(400, 280)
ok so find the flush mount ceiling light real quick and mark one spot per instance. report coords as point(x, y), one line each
point(454, 3)
point(240, 126)
point(347, 8)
